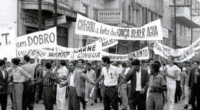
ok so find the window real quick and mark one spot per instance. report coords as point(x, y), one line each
point(84, 42)
point(85, 9)
point(62, 34)
point(95, 14)
point(124, 9)
point(129, 13)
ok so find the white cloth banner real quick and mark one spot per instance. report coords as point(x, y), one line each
point(106, 43)
point(142, 54)
point(39, 39)
point(89, 52)
point(150, 31)
point(116, 57)
point(180, 55)
point(8, 42)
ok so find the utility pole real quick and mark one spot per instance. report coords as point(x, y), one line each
point(174, 36)
point(191, 20)
point(185, 4)
point(55, 12)
point(39, 15)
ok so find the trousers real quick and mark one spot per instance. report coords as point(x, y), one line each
point(155, 101)
point(110, 98)
point(48, 97)
point(18, 89)
point(3, 101)
point(124, 95)
point(60, 97)
point(171, 89)
point(74, 100)
point(28, 96)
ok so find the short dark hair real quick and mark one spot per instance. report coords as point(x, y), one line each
point(172, 57)
point(196, 62)
point(27, 58)
point(89, 64)
point(4, 58)
point(72, 63)
point(155, 66)
point(63, 63)
point(124, 64)
point(81, 60)
point(157, 62)
point(16, 61)
point(2, 62)
point(106, 59)
point(48, 65)
point(131, 59)
point(150, 59)
point(136, 62)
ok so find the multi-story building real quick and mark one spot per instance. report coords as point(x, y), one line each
point(187, 20)
point(135, 13)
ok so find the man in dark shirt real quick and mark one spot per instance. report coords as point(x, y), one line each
point(48, 81)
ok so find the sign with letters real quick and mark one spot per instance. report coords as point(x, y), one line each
point(38, 39)
point(89, 27)
point(110, 16)
point(60, 20)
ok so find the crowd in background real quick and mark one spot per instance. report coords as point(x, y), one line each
point(132, 84)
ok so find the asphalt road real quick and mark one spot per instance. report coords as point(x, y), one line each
point(97, 106)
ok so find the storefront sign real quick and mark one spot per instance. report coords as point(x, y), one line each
point(60, 20)
point(89, 27)
point(110, 16)
point(30, 19)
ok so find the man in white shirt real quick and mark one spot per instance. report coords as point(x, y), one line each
point(63, 73)
point(151, 61)
point(110, 74)
point(171, 74)
point(92, 75)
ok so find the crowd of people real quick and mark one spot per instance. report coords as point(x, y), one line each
point(133, 84)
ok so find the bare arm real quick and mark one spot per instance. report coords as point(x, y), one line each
point(99, 79)
point(84, 76)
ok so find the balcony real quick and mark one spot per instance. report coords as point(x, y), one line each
point(183, 15)
point(64, 7)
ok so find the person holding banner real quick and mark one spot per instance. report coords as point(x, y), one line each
point(139, 83)
point(110, 74)
point(171, 74)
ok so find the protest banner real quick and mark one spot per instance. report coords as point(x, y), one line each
point(8, 42)
point(94, 47)
point(180, 55)
point(106, 43)
point(142, 54)
point(38, 39)
point(45, 54)
point(116, 57)
point(7, 37)
point(88, 55)
point(150, 31)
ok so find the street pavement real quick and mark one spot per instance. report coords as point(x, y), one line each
point(98, 106)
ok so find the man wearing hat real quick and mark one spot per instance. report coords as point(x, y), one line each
point(139, 84)
point(62, 73)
